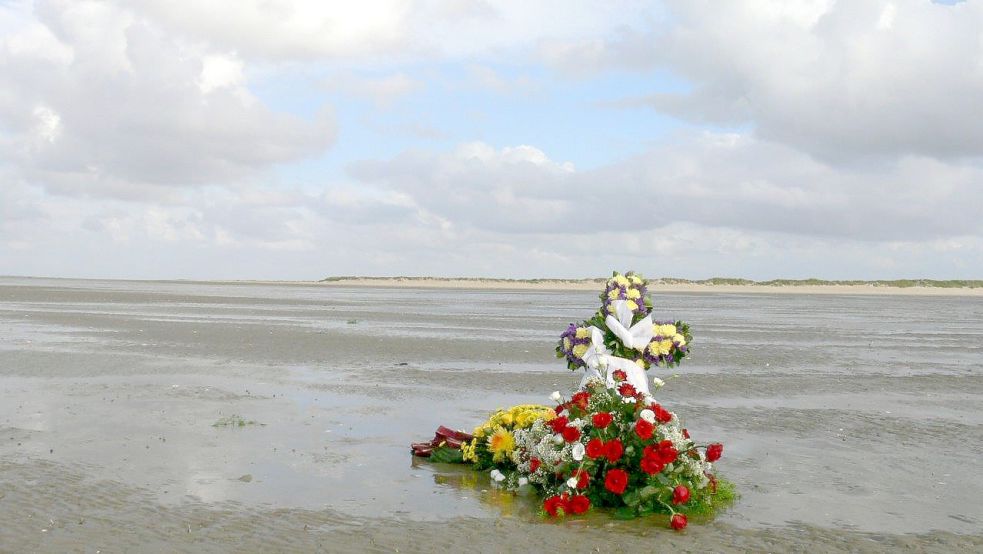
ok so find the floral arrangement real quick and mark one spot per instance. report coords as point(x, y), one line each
point(611, 444)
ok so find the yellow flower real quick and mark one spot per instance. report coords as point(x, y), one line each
point(634, 294)
point(566, 343)
point(665, 347)
point(635, 279)
point(667, 330)
point(505, 419)
point(468, 451)
point(632, 305)
point(582, 332)
point(501, 444)
point(621, 280)
point(580, 350)
point(680, 339)
point(613, 295)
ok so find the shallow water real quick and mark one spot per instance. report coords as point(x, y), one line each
point(850, 422)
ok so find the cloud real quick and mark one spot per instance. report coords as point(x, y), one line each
point(383, 31)
point(383, 91)
point(842, 81)
point(712, 180)
point(99, 101)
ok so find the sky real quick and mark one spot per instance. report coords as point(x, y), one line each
point(275, 139)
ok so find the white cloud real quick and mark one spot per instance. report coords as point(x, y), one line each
point(840, 80)
point(383, 91)
point(100, 101)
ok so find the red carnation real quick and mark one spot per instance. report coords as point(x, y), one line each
point(595, 448)
point(627, 390)
point(680, 495)
point(619, 375)
point(583, 479)
point(616, 480)
point(571, 434)
point(678, 522)
point(556, 505)
point(685, 433)
point(652, 465)
point(559, 409)
point(578, 504)
point(558, 424)
point(613, 450)
point(714, 451)
point(601, 420)
point(661, 414)
point(667, 452)
point(580, 399)
point(533, 465)
point(644, 429)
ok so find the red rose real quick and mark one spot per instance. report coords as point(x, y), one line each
point(714, 451)
point(619, 375)
point(613, 450)
point(680, 495)
point(652, 465)
point(583, 479)
point(559, 409)
point(601, 420)
point(571, 434)
point(616, 480)
point(627, 390)
point(556, 505)
point(558, 424)
point(533, 465)
point(661, 414)
point(578, 504)
point(644, 429)
point(678, 522)
point(667, 452)
point(580, 400)
point(595, 448)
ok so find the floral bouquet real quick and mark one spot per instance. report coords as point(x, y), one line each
point(611, 444)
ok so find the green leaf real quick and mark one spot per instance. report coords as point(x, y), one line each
point(624, 513)
point(633, 499)
point(446, 455)
point(648, 491)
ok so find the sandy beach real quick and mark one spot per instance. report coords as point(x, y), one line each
point(688, 288)
point(852, 422)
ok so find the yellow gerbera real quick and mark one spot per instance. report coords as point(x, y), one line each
point(501, 443)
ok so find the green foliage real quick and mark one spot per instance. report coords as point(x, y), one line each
point(234, 420)
point(446, 455)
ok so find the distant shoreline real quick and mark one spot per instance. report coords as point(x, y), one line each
point(922, 287)
point(917, 287)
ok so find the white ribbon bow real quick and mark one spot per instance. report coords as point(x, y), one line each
point(596, 354)
point(635, 337)
point(600, 364)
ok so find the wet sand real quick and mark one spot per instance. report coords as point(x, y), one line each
point(851, 422)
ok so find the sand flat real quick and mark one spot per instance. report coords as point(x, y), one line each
point(839, 413)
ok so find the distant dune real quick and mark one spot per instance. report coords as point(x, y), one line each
point(672, 284)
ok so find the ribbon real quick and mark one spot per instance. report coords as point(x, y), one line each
point(600, 364)
point(635, 337)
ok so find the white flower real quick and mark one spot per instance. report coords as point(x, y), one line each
point(648, 415)
point(498, 476)
point(564, 413)
point(556, 396)
point(557, 439)
point(523, 481)
point(572, 482)
point(578, 451)
point(659, 383)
